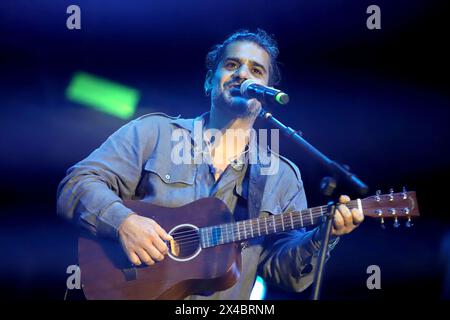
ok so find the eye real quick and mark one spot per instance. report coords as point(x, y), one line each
point(231, 65)
point(257, 71)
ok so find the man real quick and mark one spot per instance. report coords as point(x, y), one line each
point(137, 162)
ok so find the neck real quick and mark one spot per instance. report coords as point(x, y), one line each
point(235, 135)
point(222, 120)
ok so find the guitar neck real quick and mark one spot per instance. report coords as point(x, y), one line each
point(381, 206)
point(257, 227)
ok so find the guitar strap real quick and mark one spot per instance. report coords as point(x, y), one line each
point(248, 206)
point(253, 186)
point(256, 188)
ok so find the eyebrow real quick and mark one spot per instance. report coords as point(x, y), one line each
point(253, 62)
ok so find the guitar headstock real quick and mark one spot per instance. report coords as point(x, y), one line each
point(401, 205)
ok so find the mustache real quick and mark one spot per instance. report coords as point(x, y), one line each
point(233, 84)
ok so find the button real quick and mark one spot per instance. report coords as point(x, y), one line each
point(237, 165)
point(168, 176)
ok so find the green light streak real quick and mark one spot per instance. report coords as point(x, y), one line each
point(103, 95)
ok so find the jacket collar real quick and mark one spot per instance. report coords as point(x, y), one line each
point(188, 124)
point(254, 190)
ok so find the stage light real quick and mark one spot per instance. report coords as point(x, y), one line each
point(103, 95)
point(259, 289)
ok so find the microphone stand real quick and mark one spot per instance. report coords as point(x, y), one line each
point(327, 187)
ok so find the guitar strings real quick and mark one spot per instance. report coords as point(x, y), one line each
point(192, 236)
point(254, 222)
point(187, 244)
point(221, 238)
point(305, 212)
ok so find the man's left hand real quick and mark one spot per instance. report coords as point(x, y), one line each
point(345, 220)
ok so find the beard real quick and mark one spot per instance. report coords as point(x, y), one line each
point(236, 104)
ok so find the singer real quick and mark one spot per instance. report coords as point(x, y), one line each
point(136, 162)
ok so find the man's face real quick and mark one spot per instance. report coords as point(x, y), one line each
point(242, 60)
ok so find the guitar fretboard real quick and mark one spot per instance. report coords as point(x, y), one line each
point(257, 227)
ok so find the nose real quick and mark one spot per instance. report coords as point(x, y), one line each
point(243, 72)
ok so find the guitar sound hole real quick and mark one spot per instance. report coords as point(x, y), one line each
point(186, 242)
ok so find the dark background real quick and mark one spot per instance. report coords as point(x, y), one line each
point(377, 100)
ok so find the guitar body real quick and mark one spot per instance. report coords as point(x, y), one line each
point(106, 272)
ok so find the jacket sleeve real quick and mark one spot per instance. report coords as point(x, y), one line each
point(91, 193)
point(289, 259)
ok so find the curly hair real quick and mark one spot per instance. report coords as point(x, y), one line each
point(261, 38)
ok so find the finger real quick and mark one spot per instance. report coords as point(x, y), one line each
point(333, 231)
point(358, 217)
point(160, 245)
point(143, 255)
point(155, 242)
point(134, 259)
point(344, 199)
point(154, 253)
point(162, 233)
point(338, 222)
point(346, 215)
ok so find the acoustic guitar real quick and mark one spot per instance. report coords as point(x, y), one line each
point(205, 255)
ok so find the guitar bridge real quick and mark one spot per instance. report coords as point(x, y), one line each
point(130, 273)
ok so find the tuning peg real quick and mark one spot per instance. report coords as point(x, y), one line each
point(391, 194)
point(396, 223)
point(393, 212)
point(380, 214)
point(408, 223)
point(404, 193)
point(377, 195)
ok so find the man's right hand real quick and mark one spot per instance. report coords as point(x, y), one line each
point(143, 240)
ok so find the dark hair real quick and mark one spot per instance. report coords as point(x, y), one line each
point(261, 38)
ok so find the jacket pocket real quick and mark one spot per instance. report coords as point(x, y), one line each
point(166, 184)
point(171, 173)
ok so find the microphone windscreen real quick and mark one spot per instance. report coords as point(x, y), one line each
point(245, 85)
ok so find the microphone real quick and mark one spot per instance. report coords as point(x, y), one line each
point(268, 95)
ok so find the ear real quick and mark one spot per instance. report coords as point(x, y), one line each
point(208, 81)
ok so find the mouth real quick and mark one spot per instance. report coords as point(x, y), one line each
point(234, 89)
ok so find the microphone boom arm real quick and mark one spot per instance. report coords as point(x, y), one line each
point(337, 169)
